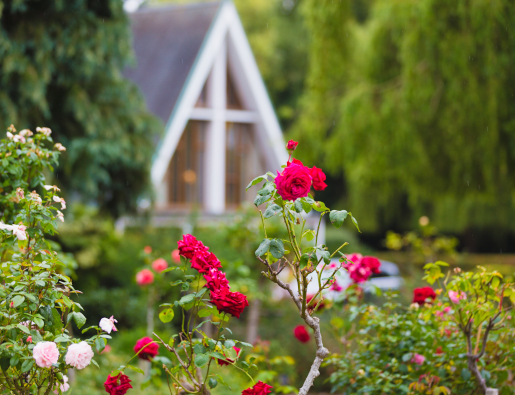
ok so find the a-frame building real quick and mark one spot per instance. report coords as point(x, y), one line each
point(197, 73)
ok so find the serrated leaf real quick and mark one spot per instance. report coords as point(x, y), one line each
point(18, 300)
point(166, 315)
point(277, 248)
point(255, 181)
point(337, 217)
point(272, 210)
point(135, 369)
point(201, 360)
point(263, 247)
point(260, 199)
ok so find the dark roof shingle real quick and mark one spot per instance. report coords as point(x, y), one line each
point(166, 42)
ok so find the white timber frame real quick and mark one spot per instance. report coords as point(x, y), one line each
point(225, 46)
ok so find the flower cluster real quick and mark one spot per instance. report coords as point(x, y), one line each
point(296, 180)
point(46, 354)
point(146, 276)
point(207, 263)
point(361, 267)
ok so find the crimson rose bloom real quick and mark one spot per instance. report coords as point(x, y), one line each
point(301, 334)
point(229, 302)
point(294, 181)
point(216, 280)
point(223, 362)
point(203, 261)
point(318, 179)
point(291, 145)
point(117, 385)
point(149, 348)
point(421, 294)
point(358, 272)
point(189, 245)
point(259, 389)
point(372, 263)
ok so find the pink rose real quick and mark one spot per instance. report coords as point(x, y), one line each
point(358, 272)
point(159, 265)
point(176, 256)
point(215, 280)
point(318, 179)
point(147, 250)
point(64, 386)
point(418, 359)
point(294, 182)
point(149, 349)
point(373, 263)
point(203, 261)
point(355, 257)
point(45, 354)
point(291, 145)
point(107, 324)
point(79, 355)
point(455, 297)
point(144, 277)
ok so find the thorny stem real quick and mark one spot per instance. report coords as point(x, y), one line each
point(312, 322)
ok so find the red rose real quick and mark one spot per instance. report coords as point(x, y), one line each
point(301, 334)
point(318, 179)
point(229, 302)
point(291, 145)
point(149, 348)
point(259, 389)
point(421, 294)
point(355, 257)
point(372, 263)
point(223, 362)
point(216, 280)
point(144, 277)
point(295, 162)
point(294, 182)
point(203, 261)
point(117, 385)
point(189, 245)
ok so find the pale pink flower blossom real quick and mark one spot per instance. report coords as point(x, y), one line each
point(455, 297)
point(418, 359)
point(64, 386)
point(159, 265)
point(19, 138)
point(176, 257)
point(79, 355)
point(49, 187)
point(9, 135)
point(26, 132)
point(59, 147)
point(46, 131)
point(59, 200)
point(35, 196)
point(46, 354)
point(20, 194)
point(19, 232)
point(29, 339)
point(107, 324)
point(60, 216)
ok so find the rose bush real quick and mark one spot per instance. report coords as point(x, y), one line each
point(36, 311)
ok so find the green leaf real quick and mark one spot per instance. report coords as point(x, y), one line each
point(18, 300)
point(267, 189)
point(201, 360)
point(297, 205)
point(465, 374)
point(212, 382)
point(79, 319)
point(100, 344)
point(199, 349)
point(135, 369)
point(187, 299)
point(354, 222)
point(260, 199)
point(272, 210)
point(306, 205)
point(319, 206)
point(27, 365)
point(23, 328)
point(309, 235)
point(222, 381)
point(263, 247)
point(277, 248)
point(255, 181)
point(166, 315)
point(337, 217)
point(205, 312)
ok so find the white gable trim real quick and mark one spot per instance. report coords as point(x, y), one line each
point(226, 22)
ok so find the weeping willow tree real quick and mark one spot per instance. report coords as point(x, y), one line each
point(419, 113)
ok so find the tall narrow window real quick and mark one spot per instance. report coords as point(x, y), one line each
point(186, 170)
point(239, 140)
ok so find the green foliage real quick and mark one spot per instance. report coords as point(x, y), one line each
point(35, 294)
point(65, 69)
point(417, 109)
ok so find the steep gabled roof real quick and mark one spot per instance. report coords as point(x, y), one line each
point(166, 42)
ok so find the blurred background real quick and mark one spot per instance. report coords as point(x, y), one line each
point(169, 108)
